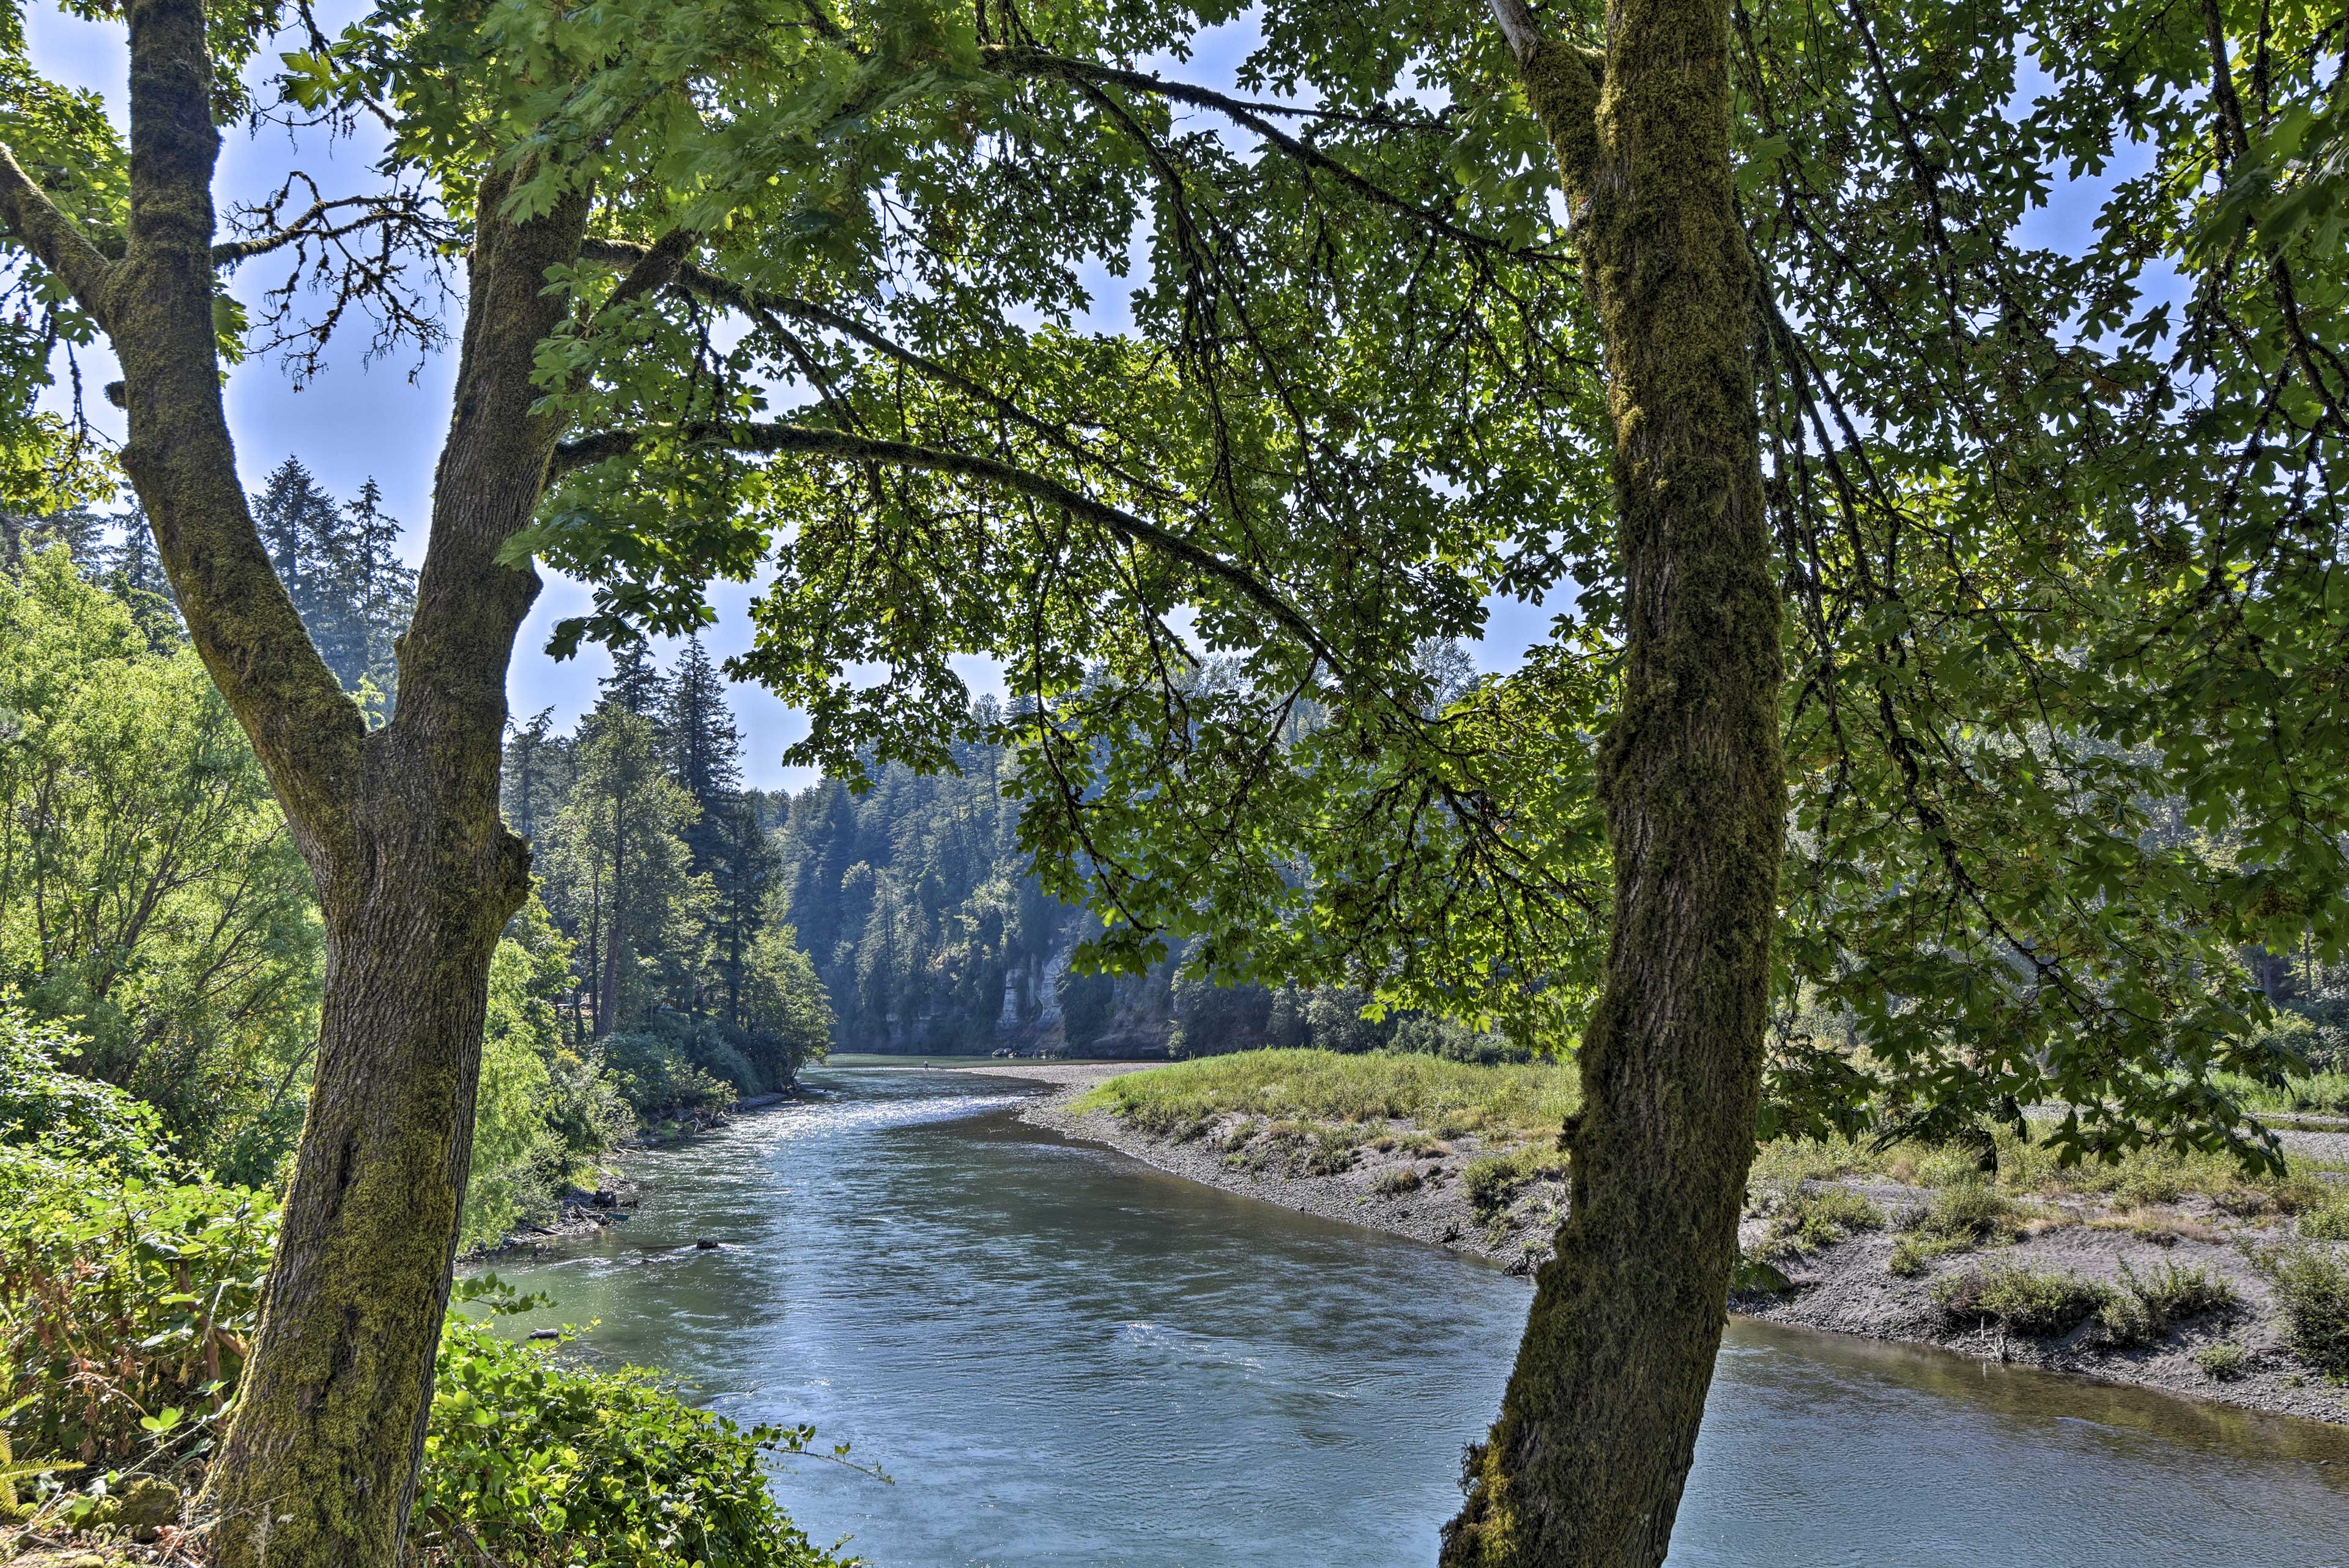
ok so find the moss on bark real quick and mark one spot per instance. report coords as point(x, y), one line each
point(1586, 1463)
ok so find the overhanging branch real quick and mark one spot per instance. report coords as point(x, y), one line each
point(54, 238)
point(776, 439)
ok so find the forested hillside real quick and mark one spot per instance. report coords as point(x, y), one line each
point(153, 905)
point(931, 934)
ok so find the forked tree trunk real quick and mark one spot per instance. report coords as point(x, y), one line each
point(322, 1455)
point(415, 873)
point(1585, 1465)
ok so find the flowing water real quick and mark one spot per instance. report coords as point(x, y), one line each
point(1065, 1359)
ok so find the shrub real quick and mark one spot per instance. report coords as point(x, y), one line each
point(2223, 1360)
point(44, 1106)
point(1494, 1181)
point(2146, 1307)
point(2328, 1221)
point(124, 1313)
point(1394, 1183)
point(2312, 1287)
point(1910, 1256)
point(1326, 1151)
point(1969, 1215)
point(1804, 1220)
point(2028, 1301)
point(124, 1308)
point(530, 1462)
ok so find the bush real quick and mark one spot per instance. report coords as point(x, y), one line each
point(2328, 1221)
point(124, 1314)
point(528, 1463)
point(45, 1106)
point(1394, 1183)
point(2028, 1301)
point(1493, 1182)
point(124, 1310)
point(2224, 1360)
point(1803, 1220)
point(2146, 1307)
point(2312, 1287)
point(1971, 1214)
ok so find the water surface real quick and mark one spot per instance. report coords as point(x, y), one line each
point(1065, 1359)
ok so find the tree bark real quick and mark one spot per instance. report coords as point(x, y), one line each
point(1585, 1465)
point(321, 1456)
point(415, 873)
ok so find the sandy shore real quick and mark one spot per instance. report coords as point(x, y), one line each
point(1843, 1288)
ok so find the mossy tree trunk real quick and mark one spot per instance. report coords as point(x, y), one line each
point(416, 873)
point(1585, 1465)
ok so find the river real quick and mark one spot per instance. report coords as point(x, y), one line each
point(1065, 1359)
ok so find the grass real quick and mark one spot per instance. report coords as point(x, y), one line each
point(2037, 1304)
point(1394, 1183)
point(2142, 1178)
point(1804, 1220)
point(1447, 1099)
point(2312, 1287)
point(2319, 1094)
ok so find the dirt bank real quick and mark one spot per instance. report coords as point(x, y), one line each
point(1420, 1188)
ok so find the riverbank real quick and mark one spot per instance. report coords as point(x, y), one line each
point(2149, 1275)
point(579, 1212)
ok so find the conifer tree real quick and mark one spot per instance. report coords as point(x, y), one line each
point(635, 684)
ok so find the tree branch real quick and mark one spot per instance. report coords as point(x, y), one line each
point(1019, 59)
point(774, 439)
point(55, 239)
point(753, 303)
point(182, 462)
point(1523, 33)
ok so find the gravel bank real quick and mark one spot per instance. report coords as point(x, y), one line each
point(1843, 1288)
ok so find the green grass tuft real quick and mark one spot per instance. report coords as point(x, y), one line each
point(2029, 1301)
point(1493, 1182)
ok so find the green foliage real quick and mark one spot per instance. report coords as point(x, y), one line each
point(54, 1114)
point(2311, 1288)
point(1396, 1182)
point(619, 876)
point(1969, 1214)
point(528, 1461)
point(921, 921)
point(1803, 1218)
point(543, 1112)
point(2328, 1220)
point(2144, 1308)
point(339, 566)
point(2223, 1360)
point(2039, 1303)
point(149, 893)
point(125, 1309)
point(1493, 1181)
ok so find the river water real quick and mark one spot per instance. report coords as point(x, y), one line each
point(1065, 1359)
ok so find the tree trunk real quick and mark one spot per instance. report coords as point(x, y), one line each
point(321, 1460)
point(1585, 1465)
